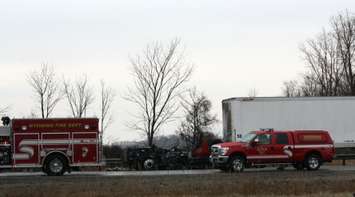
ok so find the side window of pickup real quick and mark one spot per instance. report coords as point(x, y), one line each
point(264, 139)
point(282, 138)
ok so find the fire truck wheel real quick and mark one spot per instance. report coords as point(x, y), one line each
point(237, 164)
point(313, 162)
point(55, 165)
point(148, 164)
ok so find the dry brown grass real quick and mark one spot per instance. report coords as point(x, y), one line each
point(245, 184)
point(350, 162)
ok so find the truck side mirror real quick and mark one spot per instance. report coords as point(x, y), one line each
point(255, 142)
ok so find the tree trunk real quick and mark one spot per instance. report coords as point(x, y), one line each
point(150, 140)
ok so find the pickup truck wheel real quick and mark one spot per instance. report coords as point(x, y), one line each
point(313, 162)
point(237, 164)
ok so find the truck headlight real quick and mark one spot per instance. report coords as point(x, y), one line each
point(224, 150)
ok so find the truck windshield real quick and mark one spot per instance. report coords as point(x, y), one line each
point(247, 137)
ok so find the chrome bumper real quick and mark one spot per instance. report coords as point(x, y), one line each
point(219, 159)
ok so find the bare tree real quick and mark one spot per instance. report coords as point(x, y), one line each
point(4, 110)
point(79, 96)
point(310, 86)
point(344, 31)
point(320, 55)
point(291, 89)
point(107, 97)
point(159, 75)
point(197, 118)
point(330, 58)
point(46, 89)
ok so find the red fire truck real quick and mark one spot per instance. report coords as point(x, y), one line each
point(55, 145)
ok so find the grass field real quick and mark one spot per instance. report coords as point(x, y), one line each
point(290, 183)
point(350, 162)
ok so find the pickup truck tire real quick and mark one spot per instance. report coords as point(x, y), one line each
point(313, 162)
point(237, 164)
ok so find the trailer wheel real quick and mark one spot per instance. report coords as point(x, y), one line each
point(148, 164)
point(55, 165)
point(237, 164)
point(313, 162)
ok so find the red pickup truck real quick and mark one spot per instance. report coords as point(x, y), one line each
point(302, 149)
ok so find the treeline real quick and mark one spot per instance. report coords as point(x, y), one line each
point(79, 95)
point(159, 92)
point(330, 60)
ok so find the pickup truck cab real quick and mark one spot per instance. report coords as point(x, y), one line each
point(302, 149)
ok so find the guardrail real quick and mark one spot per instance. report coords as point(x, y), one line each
point(344, 151)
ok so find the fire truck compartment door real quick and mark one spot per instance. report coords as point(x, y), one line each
point(85, 148)
point(26, 146)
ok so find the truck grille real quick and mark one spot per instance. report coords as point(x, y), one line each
point(215, 150)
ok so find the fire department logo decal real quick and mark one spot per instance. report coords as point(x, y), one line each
point(261, 149)
point(287, 150)
point(25, 150)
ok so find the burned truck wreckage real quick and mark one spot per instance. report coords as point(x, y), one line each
point(156, 158)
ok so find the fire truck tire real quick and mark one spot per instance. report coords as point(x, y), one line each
point(237, 164)
point(313, 162)
point(55, 165)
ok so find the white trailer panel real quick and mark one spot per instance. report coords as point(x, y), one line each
point(334, 114)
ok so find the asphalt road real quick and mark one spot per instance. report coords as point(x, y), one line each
point(256, 182)
point(323, 171)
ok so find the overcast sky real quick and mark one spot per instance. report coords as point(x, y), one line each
point(235, 45)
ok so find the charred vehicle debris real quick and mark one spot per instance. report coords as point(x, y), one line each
point(156, 158)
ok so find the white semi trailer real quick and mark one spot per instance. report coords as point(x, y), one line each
point(334, 114)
